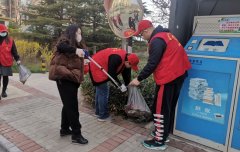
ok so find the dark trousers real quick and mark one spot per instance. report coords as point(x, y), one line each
point(5, 83)
point(169, 94)
point(68, 91)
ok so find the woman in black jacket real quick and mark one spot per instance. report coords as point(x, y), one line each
point(66, 68)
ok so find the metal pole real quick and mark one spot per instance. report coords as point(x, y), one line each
point(124, 44)
point(10, 8)
point(129, 45)
point(94, 49)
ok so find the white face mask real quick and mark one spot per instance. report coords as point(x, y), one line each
point(3, 34)
point(78, 37)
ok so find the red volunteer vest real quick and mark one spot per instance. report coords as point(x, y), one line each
point(102, 58)
point(174, 62)
point(6, 58)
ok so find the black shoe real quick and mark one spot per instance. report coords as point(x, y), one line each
point(4, 94)
point(153, 134)
point(79, 139)
point(64, 132)
point(155, 145)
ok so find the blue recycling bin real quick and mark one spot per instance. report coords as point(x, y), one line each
point(235, 134)
point(207, 102)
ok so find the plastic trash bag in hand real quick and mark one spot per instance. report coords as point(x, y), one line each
point(136, 106)
point(24, 73)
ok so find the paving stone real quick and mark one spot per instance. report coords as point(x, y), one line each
point(32, 113)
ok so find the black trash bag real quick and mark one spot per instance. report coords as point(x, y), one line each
point(136, 106)
point(24, 73)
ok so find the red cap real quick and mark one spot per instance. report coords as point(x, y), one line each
point(133, 60)
point(143, 25)
point(3, 28)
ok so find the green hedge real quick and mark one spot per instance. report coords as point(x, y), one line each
point(33, 67)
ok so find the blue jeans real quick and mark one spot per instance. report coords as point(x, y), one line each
point(101, 100)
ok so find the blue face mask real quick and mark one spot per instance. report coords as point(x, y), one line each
point(3, 34)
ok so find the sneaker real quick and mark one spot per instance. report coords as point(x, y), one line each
point(64, 132)
point(105, 119)
point(4, 94)
point(153, 135)
point(95, 115)
point(154, 145)
point(79, 139)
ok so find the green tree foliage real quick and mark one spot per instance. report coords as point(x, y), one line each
point(47, 21)
point(91, 15)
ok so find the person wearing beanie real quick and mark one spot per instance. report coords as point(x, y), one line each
point(168, 62)
point(8, 51)
point(114, 61)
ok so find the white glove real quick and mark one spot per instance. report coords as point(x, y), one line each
point(18, 62)
point(80, 52)
point(123, 88)
point(86, 61)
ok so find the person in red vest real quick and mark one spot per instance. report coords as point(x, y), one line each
point(168, 62)
point(8, 51)
point(114, 61)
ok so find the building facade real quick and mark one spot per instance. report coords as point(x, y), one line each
point(10, 10)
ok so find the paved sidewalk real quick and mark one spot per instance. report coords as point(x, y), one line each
point(30, 122)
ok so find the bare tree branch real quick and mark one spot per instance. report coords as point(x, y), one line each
point(161, 11)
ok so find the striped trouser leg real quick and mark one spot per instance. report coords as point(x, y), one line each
point(159, 117)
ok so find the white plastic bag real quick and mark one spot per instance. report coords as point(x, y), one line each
point(24, 73)
point(136, 105)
